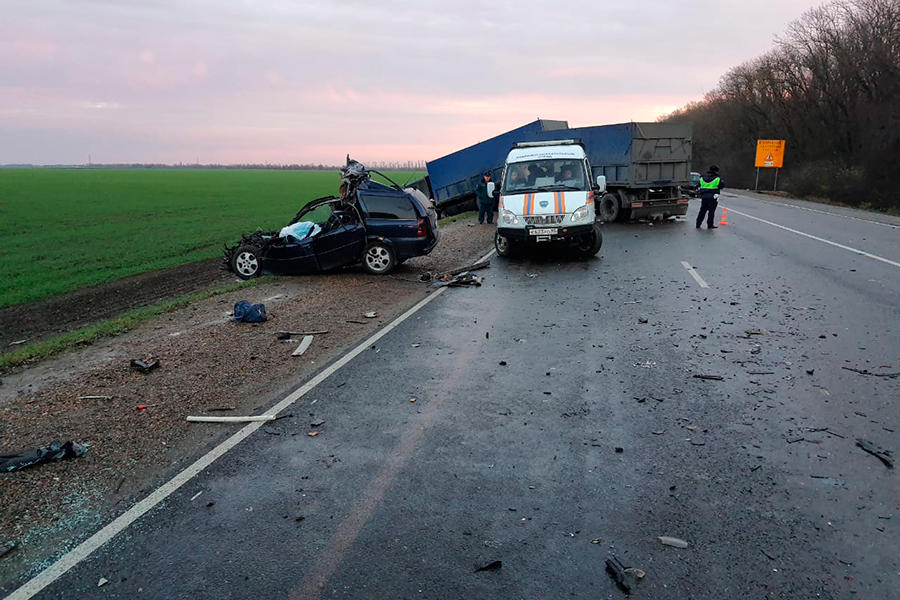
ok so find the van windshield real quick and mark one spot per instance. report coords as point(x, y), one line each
point(552, 174)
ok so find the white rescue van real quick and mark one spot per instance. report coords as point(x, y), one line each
point(547, 195)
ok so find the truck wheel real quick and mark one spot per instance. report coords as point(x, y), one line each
point(610, 208)
point(245, 262)
point(590, 244)
point(505, 246)
point(379, 258)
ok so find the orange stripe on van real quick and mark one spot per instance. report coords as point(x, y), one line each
point(562, 203)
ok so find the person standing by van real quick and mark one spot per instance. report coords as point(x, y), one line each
point(710, 187)
point(485, 201)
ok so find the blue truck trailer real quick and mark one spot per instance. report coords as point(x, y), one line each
point(645, 164)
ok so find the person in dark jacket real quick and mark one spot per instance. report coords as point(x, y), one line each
point(710, 187)
point(484, 200)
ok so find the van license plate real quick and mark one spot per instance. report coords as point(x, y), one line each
point(543, 231)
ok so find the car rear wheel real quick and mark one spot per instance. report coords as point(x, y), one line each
point(590, 244)
point(379, 259)
point(246, 263)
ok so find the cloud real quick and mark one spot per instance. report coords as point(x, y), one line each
point(163, 80)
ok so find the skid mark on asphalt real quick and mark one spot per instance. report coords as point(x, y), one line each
point(694, 274)
point(822, 212)
point(123, 521)
point(371, 498)
point(819, 239)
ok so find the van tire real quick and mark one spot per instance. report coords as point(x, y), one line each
point(590, 248)
point(505, 247)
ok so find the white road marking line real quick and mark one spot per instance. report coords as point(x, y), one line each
point(694, 274)
point(818, 239)
point(823, 212)
point(83, 550)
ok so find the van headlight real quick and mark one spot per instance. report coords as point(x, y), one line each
point(508, 218)
point(581, 214)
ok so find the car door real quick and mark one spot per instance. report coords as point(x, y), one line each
point(340, 247)
point(292, 256)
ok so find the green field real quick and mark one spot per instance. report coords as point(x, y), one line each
point(65, 229)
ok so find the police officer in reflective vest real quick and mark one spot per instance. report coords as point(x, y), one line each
point(710, 187)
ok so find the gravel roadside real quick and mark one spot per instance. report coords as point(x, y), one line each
point(207, 362)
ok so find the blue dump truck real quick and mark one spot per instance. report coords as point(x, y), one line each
point(646, 166)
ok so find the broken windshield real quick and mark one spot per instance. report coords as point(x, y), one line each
point(552, 174)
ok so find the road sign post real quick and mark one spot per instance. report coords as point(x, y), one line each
point(769, 155)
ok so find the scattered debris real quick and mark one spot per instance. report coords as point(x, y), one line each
point(596, 541)
point(219, 408)
point(810, 371)
point(795, 440)
point(643, 320)
point(472, 267)
point(286, 335)
point(95, 397)
point(8, 549)
point(299, 519)
point(760, 372)
point(303, 347)
point(415, 345)
point(37, 456)
point(19, 342)
point(195, 496)
point(317, 422)
point(371, 315)
point(625, 577)
point(674, 542)
point(633, 302)
point(413, 400)
point(250, 419)
point(502, 363)
point(494, 566)
point(145, 366)
point(244, 312)
point(465, 279)
point(709, 377)
point(357, 322)
point(769, 556)
point(619, 450)
point(755, 332)
point(103, 581)
point(532, 275)
point(867, 372)
point(313, 433)
point(210, 504)
point(882, 455)
point(695, 443)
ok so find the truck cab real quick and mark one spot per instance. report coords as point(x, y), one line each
point(547, 196)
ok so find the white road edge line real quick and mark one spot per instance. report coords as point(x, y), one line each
point(694, 274)
point(823, 212)
point(123, 521)
point(818, 239)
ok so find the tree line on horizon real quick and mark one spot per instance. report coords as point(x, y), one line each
point(831, 88)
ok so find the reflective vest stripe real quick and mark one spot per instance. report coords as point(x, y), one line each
point(714, 184)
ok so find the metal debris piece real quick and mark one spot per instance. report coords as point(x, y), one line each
point(103, 581)
point(867, 372)
point(643, 320)
point(250, 419)
point(371, 314)
point(493, 566)
point(145, 366)
point(286, 335)
point(625, 577)
point(674, 542)
point(882, 455)
point(709, 377)
point(303, 347)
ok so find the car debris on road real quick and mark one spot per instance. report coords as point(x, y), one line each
point(29, 458)
point(625, 577)
point(304, 346)
point(144, 365)
point(674, 542)
point(883, 455)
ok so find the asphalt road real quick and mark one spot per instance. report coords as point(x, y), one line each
point(510, 453)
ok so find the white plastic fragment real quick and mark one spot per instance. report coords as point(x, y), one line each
point(304, 345)
point(674, 542)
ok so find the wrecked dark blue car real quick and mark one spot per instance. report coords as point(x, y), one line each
point(372, 224)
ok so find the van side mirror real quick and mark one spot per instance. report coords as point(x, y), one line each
point(490, 188)
point(601, 182)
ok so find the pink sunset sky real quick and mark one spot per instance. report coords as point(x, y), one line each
point(309, 81)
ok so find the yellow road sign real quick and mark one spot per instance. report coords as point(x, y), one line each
point(770, 153)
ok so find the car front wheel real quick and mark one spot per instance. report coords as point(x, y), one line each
point(504, 245)
point(246, 263)
point(379, 259)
